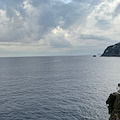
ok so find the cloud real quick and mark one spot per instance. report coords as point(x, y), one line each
point(30, 20)
point(104, 19)
point(94, 37)
point(103, 24)
point(57, 38)
point(43, 25)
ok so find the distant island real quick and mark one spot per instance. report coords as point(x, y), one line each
point(94, 55)
point(113, 50)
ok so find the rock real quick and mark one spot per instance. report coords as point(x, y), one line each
point(94, 55)
point(113, 50)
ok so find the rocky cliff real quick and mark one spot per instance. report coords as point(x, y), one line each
point(113, 50)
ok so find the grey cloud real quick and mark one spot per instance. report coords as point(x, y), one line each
point(116, 11)
point(73, 13)
point(45, 15)
point(10, 3)
point(59, 43)
point(33, 24)
point(103, 24)
point(37, 22)
point(95, 37)
point(91, 2)
point(40, 17)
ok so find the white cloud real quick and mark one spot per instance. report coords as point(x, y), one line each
point(103, 21)
point(51, 25)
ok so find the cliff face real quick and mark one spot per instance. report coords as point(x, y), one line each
point(113, 50)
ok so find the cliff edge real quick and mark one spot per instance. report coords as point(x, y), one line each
point(113, 50)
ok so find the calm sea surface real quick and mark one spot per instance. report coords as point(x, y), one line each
point(57, 88)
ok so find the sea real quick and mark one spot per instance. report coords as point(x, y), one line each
point(57, 87)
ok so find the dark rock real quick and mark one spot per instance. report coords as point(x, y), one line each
point(113, 50)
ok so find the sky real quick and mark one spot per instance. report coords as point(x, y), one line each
point(58, 27)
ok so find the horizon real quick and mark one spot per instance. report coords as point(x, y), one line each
point(58, 27)
point(48, 56)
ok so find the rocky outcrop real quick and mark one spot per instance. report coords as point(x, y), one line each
point(113, 50)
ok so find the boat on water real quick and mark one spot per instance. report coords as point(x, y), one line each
point(94, 55)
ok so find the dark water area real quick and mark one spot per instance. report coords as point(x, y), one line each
point(57, 88)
